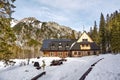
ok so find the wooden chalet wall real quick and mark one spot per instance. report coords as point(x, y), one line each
point(62, 54)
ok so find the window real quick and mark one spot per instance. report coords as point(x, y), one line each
point(75, 53)
point(67, 46)
point(94, 53)
point(51, 53)
point(60, 45)
point(79, 53)
point(84, 40)
point(52, 46)
point(82, 45)
point(88, 53)
point(66, 53)
point(60, 53)
point(87, 45)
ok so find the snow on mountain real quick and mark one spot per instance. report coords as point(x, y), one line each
point(27, 29)
point(13, 22)
point(33, 21)
point(31, 28)
point(73, 69)
point(28, 20)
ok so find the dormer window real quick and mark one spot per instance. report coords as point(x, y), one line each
point(60, 45)
point(84, 40)
point(87, 45)
point(82, 45)
point(52, 46)
point(67, 46)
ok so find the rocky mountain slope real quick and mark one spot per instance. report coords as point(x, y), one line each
point(30, 28)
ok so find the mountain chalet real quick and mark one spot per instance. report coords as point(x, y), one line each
point(84, 46)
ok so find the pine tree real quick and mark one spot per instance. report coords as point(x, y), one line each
point(95, 33)
point(7, 36)
point(108, 33)
point(102, 34)
point(73, 35)
point(115, 32)
point(115, 40)
point(91, 32)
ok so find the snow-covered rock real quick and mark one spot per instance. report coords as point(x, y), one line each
point(13, 22)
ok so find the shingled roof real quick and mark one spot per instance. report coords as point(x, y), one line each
point(65, 45)
point(57, 44)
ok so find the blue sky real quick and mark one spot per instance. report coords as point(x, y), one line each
point(72, 13)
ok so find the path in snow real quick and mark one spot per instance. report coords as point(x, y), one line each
point(73, 69)
point(107, 69)
point(39, 75)
point(89, 70)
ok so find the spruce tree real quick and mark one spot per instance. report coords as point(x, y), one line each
point(108, 33)
point(115, 40)
point(90, 33)
point(95, 36)
point(102, 34)
point(7, 36)
point(73, 35)
point(115, 32)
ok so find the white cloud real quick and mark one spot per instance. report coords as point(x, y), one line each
point(49, 14)
point(41, 12)
point(74, 13)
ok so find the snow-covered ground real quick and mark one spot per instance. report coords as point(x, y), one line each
point(106, 69)
point(72, 69)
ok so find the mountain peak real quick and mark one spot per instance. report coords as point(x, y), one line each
point(31, 28)
point(29, 20)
